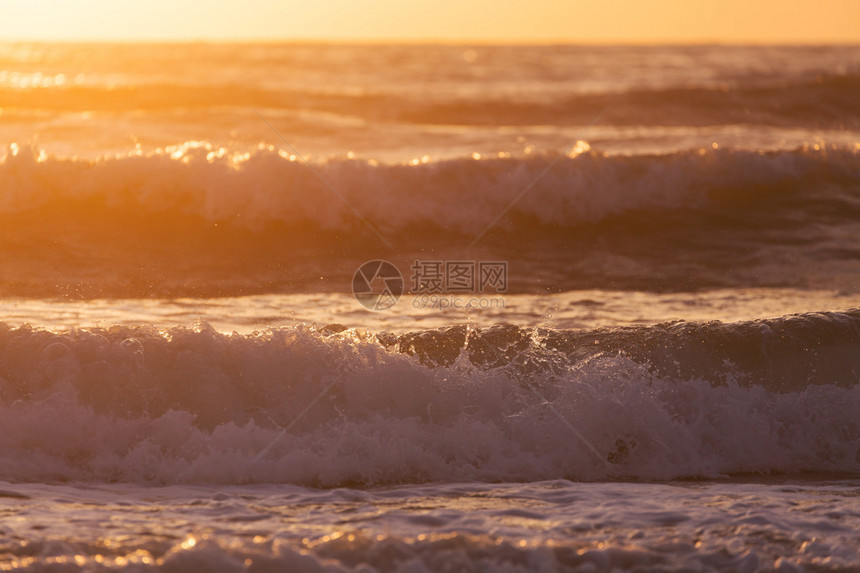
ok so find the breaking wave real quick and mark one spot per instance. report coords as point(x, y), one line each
point(335, 407)
point(195, 220)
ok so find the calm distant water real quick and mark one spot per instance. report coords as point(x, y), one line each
point(616, 328)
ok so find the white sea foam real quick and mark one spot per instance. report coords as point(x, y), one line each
point(267, 187)
point(295, 406)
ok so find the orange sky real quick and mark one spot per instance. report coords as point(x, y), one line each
point(628, 21)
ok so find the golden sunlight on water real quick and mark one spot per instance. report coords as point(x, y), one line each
point(407, 308)
point(574, 309)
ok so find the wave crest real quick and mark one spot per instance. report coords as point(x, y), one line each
point(334, 408)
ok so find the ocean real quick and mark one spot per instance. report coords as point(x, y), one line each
point(306, 307)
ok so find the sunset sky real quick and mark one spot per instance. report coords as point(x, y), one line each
point(626, 21)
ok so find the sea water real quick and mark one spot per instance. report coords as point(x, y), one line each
point(661, 375)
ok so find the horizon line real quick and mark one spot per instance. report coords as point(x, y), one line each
point(440, 42)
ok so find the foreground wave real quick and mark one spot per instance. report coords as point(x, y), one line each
point(335, 407)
